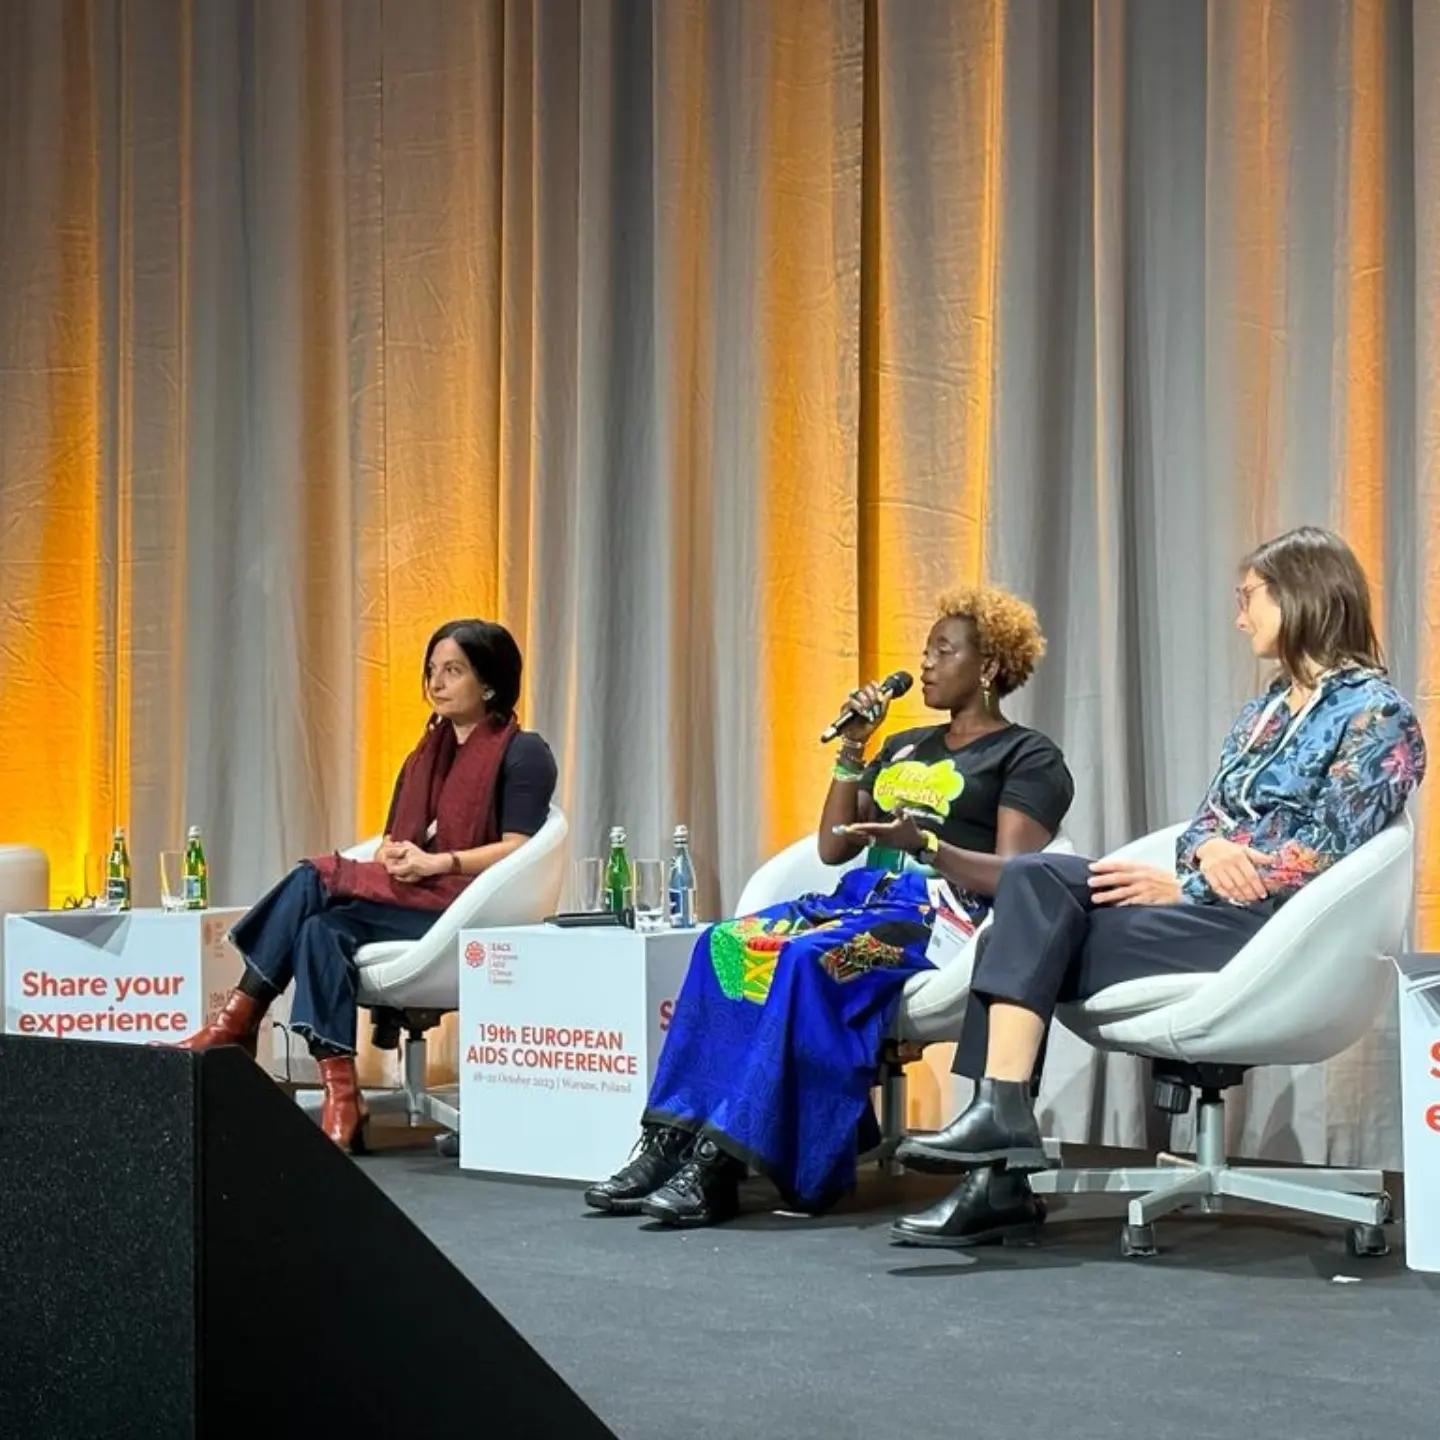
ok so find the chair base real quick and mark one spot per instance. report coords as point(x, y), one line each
point(1178, 1183)
point(892, 1115)
point(1353, 1195)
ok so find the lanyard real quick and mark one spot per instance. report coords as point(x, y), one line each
point(1266, 715)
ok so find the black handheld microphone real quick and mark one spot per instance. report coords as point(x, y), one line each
point(892, 687)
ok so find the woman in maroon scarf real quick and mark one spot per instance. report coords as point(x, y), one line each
point(475, 788)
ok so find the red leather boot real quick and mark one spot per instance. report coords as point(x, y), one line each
point(238, 1023)
point(344, 1116)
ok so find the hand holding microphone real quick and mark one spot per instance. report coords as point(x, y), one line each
point(864, 710)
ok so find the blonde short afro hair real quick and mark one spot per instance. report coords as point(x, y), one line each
point(1007, 631)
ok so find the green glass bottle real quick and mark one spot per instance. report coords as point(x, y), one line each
point(197, 872)
point(117, 873)
point(619, 878)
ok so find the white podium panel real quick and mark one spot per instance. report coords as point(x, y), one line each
point(1419, 999)
point(560, 1030)
point(130, 977)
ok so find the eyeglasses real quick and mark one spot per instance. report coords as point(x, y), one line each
point(1243, 594)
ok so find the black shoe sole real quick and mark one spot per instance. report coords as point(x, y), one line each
point(1027, 1233)
point(916, 1155)
point(610, 1205)
point(675, 1220)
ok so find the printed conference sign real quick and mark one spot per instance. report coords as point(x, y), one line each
point(559, 1038)
point(1419, 1000)
point(134, 978)
point(552, 1031)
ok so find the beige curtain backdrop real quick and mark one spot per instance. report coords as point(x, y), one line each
point(701, 343)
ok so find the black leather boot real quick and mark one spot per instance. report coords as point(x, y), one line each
point(704, 1191)
point(661, 1152)
point(998, 1127)
point(987, 1207)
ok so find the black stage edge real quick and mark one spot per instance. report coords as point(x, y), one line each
point(183, 1253)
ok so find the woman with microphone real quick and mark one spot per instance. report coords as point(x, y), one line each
point(776, 1037)
point(473, 790)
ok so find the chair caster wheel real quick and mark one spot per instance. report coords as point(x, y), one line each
point(1137, 1242)
point(448, 1145)
point(1366, 1241)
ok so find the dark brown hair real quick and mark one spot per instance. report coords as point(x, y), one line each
point(1324, 600)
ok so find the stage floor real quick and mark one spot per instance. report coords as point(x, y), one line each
point(820, 1328)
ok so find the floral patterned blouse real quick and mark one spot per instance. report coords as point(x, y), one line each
point(1308, 789)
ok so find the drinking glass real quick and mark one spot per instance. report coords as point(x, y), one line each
point(172, 880)
point(587, 885)
point(95, 868)
point(650, 895)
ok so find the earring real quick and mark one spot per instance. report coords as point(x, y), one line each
point(985, 694)
point(487, 694)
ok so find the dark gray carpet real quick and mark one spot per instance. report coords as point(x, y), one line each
point(805, 1328)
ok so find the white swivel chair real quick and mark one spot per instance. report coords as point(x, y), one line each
point(413, 984)
point(1308, 985)
point(932, 1004)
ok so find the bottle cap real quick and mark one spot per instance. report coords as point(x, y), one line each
point(617, 835)
point(194, 832)
point(682, 833)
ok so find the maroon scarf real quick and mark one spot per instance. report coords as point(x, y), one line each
point(452, 784)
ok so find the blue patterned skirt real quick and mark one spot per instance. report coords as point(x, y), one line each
point(775, 1041)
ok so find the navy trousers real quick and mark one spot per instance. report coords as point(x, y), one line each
point(298, 933)
point(1049, 942)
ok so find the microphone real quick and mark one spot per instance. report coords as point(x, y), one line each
point(892, 687)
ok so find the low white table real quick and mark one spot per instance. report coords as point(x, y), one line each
point(127, 977)
point(1419, 999)
point(560, 1030)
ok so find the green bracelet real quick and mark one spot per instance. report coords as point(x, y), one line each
point(848, 777)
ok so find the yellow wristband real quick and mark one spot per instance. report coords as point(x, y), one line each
point(931, 843)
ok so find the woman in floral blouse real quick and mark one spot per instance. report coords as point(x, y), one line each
point(1312, 769)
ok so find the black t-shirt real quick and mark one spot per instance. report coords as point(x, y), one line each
point(1018, 768)
point(527, 784)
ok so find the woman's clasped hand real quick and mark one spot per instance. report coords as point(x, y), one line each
point(1232, 871)
point(407, 862)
